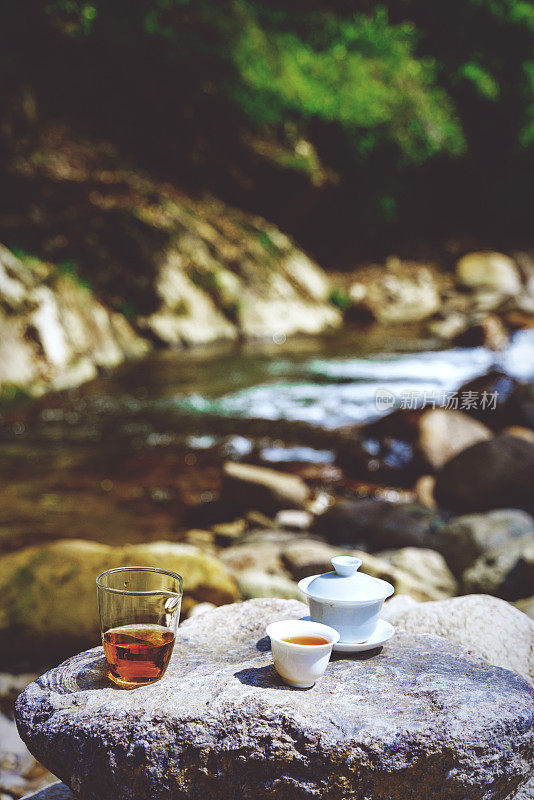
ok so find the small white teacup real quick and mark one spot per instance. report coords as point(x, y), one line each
point(300, 665)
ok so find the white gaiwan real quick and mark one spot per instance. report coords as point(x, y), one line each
point(346, 599)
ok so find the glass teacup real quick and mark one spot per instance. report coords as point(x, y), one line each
point(139, 614)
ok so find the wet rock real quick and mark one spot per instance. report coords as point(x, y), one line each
point(377, 524)
point(522, 406)
point(54, 333)
point(386, 459)
point(400, 293)
point(249, 487)
point(292, 519)
point(447, 325)
point(498, 473)
point(484, 330)
point(222, 714)
point(427, 567)
point(444, 433)
point(49, 596)
point(493, 395)
point(521, 433)
point(424, 491)
point(506, 571)
point(485, 625)
point(463, 539)
point(492, 270)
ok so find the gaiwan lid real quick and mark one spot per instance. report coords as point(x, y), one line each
point(346, 584)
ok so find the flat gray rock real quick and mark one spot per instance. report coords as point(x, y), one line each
point(421, 718)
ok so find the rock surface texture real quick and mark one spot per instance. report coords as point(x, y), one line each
point(493, 629)
point(420, 718)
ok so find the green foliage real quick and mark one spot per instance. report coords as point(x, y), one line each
point(359, 73)
point(340, 298)
point(69, 270)
point(390, 96)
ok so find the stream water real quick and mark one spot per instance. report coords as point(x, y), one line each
point(121, 457)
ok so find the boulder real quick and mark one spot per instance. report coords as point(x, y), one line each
point(400, 293)
point(380, 459)
point(432, 582)
point(484, 330)
point(485, 625)
point(494, 399)
point(377, 524)
point(54, 333)
point(424, 491)
point(419, 712)
point(249, 487)
point(255, 583)
point(427, 567)
point(308, 557)
point(421, 574)
point(498, 473)
point(444, 433)
point(493, 270)
point(49, 594)
point(396, 604)
point(463, 539)
point(506, 571)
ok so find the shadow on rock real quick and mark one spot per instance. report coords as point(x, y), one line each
point(266, 677)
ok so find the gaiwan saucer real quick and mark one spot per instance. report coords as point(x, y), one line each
point(384, 631)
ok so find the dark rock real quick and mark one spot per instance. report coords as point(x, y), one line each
point(464, 539)
point(506, 571)
point(484, 330)
point(378, 524)
point(522, 406)
point(422, 712)
point(246, 486)
point(388, 459)
point(498, 473)
point(493, 383)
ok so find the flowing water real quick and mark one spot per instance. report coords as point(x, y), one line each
point(148, 436)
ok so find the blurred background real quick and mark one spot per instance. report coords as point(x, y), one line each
point(266, 295)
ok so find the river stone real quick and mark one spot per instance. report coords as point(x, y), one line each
point(492, 628)
point(489, 269)
point(48, 591)
point(506, 571)
point(498, 473)
point(377, 524)
point(444, 433)
point(419, 712)
point(246, 486)
point(464, 539)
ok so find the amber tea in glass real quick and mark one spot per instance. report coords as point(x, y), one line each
point(139, 613)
